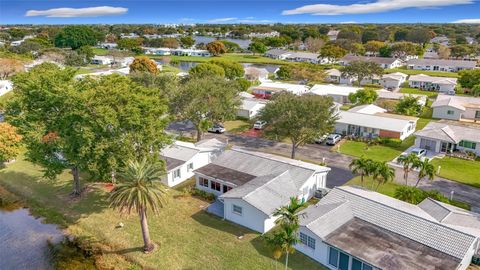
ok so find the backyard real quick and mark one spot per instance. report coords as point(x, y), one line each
point(187, 237)
point(460, 170)
point(237, 57)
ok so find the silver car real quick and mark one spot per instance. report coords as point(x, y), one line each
point(333, 139)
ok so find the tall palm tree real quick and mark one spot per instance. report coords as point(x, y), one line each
point(426, 169)
point(288, 238)
point(408, 194)
point(289, 214)
point(382, 173)
point(362, 166)
point(409, 162)
point(275, 242)
point(137, 192)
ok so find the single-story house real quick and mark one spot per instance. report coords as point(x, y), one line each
point(388, 95)
point(335, 76)
point(445, 136)
point(191, 52)
point(456, 108)
point(303, 57)
point(157, 51)
point(256, 74)
point(252, 185)
point(440, 64)
point(277, 54)
point(438, 84)
point(384, 62)
point(108, 45)
point(339, 93)
point(182, 158)
point(441, 40)
point(250, 107)
point(5, 87)
point(431, 55)
point(121, 71)
point(372, 123)
point(393, 81)
point(332, 35)
point(267, 89)
point(353, 228)
point(101, 60)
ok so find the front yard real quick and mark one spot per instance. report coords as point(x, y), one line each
point(415, 91)
point(426, 72)
point(460, 170)
point(236, 57)
point(375, 152)
point(187, 237)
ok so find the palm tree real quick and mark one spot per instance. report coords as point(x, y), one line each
point(287, 238)
point(426, 169)
point(275, 241)
point(382, 173)
point(137, 192)
point(362, 166)
point(288, 214)
point(409, 162)
point(408, 194)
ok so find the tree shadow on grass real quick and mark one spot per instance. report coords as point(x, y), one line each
point(125, 250)
point(218, 223)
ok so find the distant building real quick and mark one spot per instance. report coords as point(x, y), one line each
point(430, 83)
point(256, 74)
point(339, 93)
point(440, 65)
point(332, 35)
point(384, 62)
point(267, 89)
point(393, 81)
point(264, 35)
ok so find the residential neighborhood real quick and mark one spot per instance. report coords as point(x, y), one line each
point(220, 135)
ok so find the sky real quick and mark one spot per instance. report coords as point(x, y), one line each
point(233, 11)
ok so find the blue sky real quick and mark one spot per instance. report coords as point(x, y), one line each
point(232, 11)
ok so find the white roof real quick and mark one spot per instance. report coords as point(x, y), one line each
point(368, 109)
point(5, 87)
point(246, 95)
point(383, 121)
point(458, 102)
point(252, 104)
point(398, 76)
point(333, 72)
point(290, 87)
point(450, 132)
point(437, 80)
point(330, 89)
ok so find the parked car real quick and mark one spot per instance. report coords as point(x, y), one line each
point(217, 128)
point(321, 139)
point(419, 152)
point(259, 125)
point(333, 139)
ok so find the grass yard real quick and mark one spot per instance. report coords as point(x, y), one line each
point(4, 99)
point(375, 152)
point(187, 237)
point(237, 57)
point(416, 91)
point(385, 189)
point(237, 126)
point(100, 51)
point(460, 170)
point(426, 72)
point(170, 69)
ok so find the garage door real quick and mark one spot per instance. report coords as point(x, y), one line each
point(428, 144)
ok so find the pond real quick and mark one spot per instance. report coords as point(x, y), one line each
point(23, 240)
point(186, 66)
point(243, 43)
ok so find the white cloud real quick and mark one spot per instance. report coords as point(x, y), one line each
point(222, 20)
point(349, 22)
point(468, 21)
point(372, 7)
point(78, 12)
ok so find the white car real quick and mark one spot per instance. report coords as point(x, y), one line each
point(259, 125)
point(333, 139)
point(321, 139)
point(217, 128)
point(419, 152)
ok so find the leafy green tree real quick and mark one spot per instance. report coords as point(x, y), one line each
point(257, 47)
point(137, 192)
point(143, 64)
point(164, 84)
point(27, 47)
point(409, 162)
point(409, 105)
point(425, 169)
point(400, 35)
point(374, 46)
point(216, 48)
point(362, 166)
point(369, 35)
point(299, 118)
point(187, 41)
point(307, 72)
point(403, 49)
point(75, 36)
point(207, 70)
point(129, 44)
point(86, 52)
point(205, 101)
point(275, 241)
point(362, 70)
point(232, 69)
point(231, 46)
point(419, 35)
point(363, 96)
point(460, 51)
point(385, 51)
point(244, 84)
point(476, 90)
point(10, 142)
point(285, 73)
point(171, 43)
point(332, 52)
point(469, 78)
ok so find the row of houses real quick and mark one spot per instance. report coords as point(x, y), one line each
point(349, 228)
point(178, 51)
point(292, 56)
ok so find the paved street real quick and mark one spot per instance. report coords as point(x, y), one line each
point(340, 173)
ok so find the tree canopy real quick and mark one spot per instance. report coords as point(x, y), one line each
point(257, 47)
point(409, 106)
point(10, 142)
point(206, 70)
point(363, 96)
point(143, 64)
point(75, 36)
point(362, 70)
point(216, 48)
point(232, 69)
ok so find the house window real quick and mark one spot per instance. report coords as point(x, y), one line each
point(190, 166)
point(477, 114)
point(215, 185)
point(450, 112)
point(237, 209)
point(359, 265)
point(333, 257)
point(307, 240)
point(203, 182)
point(176, 173)
point(467, 144)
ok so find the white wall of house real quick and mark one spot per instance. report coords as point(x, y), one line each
point(250, 113)
point(250, 217)
point(390, 83)
point(185, 171)
point(319, 180)
point(447, 112)
point(319, 253)
point(471, 113)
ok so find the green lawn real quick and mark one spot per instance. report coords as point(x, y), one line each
point(429, 94)
point(386, 189)
point(237, 57)
point(100, 51)
point(237, 126)
point(460, 170)
point(376, 152)
point(426, 72)
point(167, 68)
point(4, 99)
point(187, 237)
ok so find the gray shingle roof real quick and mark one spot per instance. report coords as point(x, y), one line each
point(399, 217)
point(378, 60)
point(449, 132)
point(458, 102)
point(442, 62)
point(276, 52)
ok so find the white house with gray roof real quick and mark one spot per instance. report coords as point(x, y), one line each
point(440, 64)
point(252, 185)
point(388, 95)
point(448, 136)
point(353, 228)
point(384, 62)
point(182, 158)
point(430, 83)
point(456, 108)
